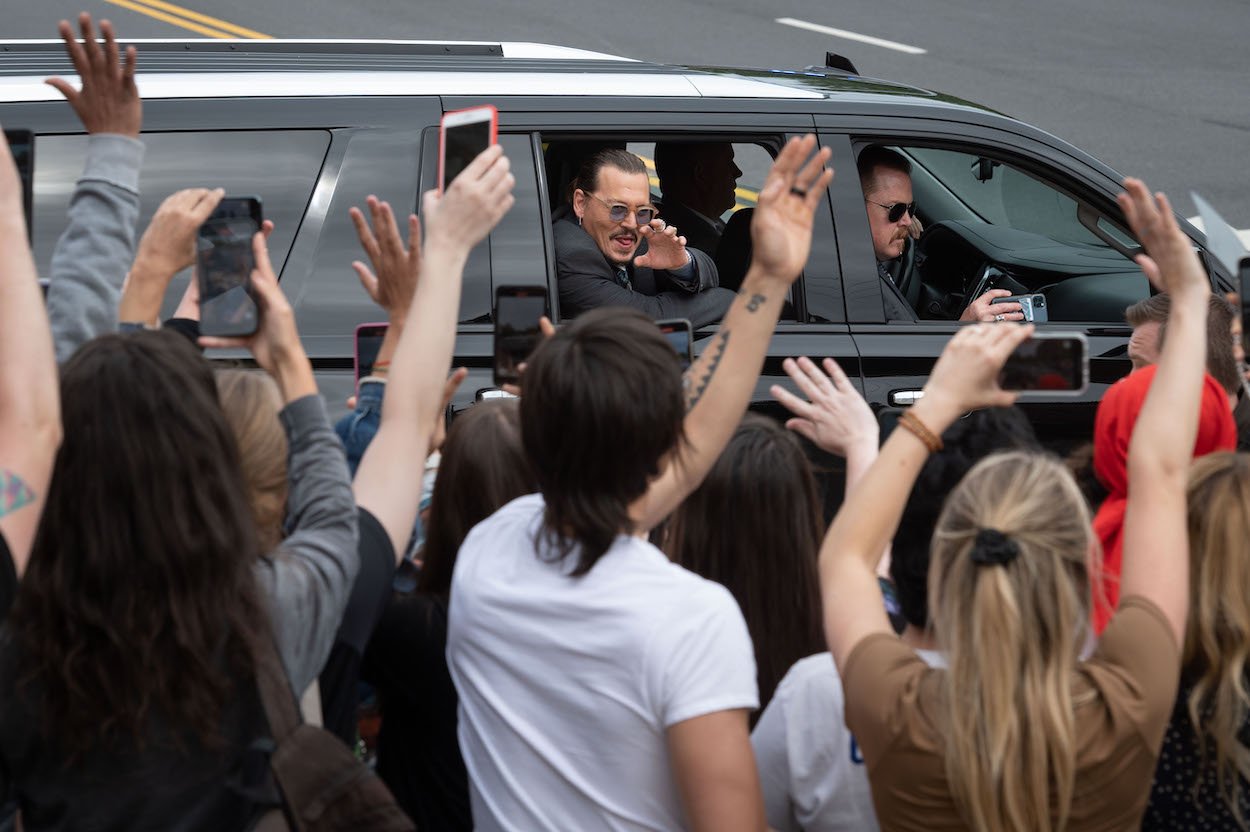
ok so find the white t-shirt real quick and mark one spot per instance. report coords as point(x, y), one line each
point(567, 685)
point(811, 770)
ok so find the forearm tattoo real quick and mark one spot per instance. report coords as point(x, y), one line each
point(754, 302)
point(14, 493)
point(695, 392)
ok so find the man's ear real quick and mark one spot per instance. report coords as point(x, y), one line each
point(579, 202)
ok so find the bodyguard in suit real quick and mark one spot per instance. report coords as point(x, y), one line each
point(698, 183)
point(613, 250)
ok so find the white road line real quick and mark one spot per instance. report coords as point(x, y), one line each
point(855, 36)
point(1243, 233)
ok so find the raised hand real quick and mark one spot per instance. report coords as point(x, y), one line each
point(781, 229)
point(276, 345)
point(166, 248)
point(665, 249)
point(984, 308)
point(109, 100)
point(473, 204)
point(966, 375)
point(1171, 262)
point(396, 267)
point(835, 418)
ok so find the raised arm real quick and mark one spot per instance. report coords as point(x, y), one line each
point(720, 383)
point(964, 378)
point(92, 256)
point(388, 481)
point(1156, 540)
point(30, 410)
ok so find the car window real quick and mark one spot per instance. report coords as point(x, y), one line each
point(517, 250)
point(989, 223)
point(279, 167)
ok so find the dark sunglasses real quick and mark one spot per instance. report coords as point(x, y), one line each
point(618, 212)
point(896, 209)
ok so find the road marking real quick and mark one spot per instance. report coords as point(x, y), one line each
point(190, 20)
point(855, 36)
point(1243, 233)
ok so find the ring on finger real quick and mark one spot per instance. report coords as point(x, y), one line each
point(998, 317)
point(797, 191)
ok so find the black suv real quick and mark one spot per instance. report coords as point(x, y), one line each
point(314, 127)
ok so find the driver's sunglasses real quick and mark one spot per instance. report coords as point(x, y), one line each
point(897, 209)
point(617, 212)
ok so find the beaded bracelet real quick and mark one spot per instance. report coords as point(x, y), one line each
point(930, 439)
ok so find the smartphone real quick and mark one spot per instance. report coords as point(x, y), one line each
point(368, 343)
point(462, 135)
point(1048, 364)
point(22, 146)
point(517, 311)
point(681, 335)
point(1033, 306)
point(224, 264)
point(1243, 277)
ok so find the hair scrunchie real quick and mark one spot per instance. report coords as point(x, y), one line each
point(993, 548)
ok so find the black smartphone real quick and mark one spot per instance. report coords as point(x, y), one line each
point(22, 146)
point(517, 312)
point(368, 343)
point(1048, 364)
point(224, 264)
point(1243, 277)
point(462, 135)
point(681, 335)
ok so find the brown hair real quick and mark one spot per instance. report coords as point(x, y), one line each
point(251, 401)
point(588, 174)
point(1011, 632)
point(603, 408)
point(755, 526)
point(879, 156)
point(483, 467)
point(1217, 633)
point(1220, 362)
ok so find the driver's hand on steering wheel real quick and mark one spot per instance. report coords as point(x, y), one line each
point(984, 308)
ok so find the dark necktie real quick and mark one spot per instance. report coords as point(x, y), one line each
point(622, 277)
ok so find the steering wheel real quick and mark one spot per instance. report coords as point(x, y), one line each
point(987, 277)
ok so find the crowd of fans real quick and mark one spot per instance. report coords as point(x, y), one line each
point(611, 603)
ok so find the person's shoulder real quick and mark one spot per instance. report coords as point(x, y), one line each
point(487, 535)
point(571, 241)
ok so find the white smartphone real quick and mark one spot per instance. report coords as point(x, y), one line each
point(462, 135)
point(1048, 364)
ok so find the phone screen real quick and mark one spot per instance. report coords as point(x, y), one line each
point(517, 311)
point(1047, 364)
point(679, 336)
point(368, 344)
point(22, 146)
point(462, 143)
point(225, 262)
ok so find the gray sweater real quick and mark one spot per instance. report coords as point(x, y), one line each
point(93, 255)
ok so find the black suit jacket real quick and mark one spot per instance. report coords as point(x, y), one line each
point(699, 233)
point(587, 281)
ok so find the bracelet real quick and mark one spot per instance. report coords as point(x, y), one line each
point(380, 368)
point(930, 439)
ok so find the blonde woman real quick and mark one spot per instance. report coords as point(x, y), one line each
point(1017, 734)
point(1201, 779)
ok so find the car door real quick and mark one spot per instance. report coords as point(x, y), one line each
point(993, 200)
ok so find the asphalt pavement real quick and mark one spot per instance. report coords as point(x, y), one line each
point(1154, 88)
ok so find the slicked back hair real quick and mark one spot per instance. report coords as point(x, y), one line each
point(588, 174)
point(603, 408)
point(141, 574)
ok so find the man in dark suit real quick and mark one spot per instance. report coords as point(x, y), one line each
point(612, 250)
point(698, 181)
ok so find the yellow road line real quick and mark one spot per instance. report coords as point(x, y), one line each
point(190, 20)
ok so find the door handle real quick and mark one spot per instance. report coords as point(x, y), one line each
point(905, 398)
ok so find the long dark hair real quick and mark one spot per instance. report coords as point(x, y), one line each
point(139, 599)
point(754, 525)
point(483, 467)
point(603, 408)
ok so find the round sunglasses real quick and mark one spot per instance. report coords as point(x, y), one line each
point(896, 209)
point(617, 212)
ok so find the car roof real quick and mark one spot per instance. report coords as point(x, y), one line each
point(278, 67)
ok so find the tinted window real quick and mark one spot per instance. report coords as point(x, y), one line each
point(279, 167)
point(518, 256)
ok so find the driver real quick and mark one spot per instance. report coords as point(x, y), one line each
point(885, 176)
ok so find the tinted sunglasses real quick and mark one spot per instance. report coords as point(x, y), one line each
point(896, 209)
point(618, 212)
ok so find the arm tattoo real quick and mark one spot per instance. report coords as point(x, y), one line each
point(694, 392)
point(14, 492)
point(754, 302)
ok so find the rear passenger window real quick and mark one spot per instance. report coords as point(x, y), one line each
point(279, 167)
point(517, 253)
